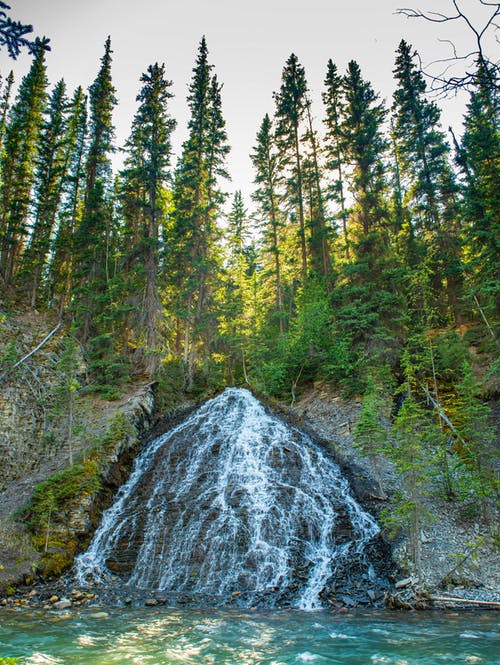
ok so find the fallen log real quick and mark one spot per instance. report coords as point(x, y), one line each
point(466, 601)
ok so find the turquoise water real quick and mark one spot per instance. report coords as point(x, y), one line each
point(153, 636)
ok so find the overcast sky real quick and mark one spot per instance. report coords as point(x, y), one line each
point(249, 42)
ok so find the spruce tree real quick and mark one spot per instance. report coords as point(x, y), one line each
point(370, 298)
point(60, 267)
point(91, 240)
point(143, 181)
point(267, 164)
point(290, 111)
point(364, 146)
point(193, 257)
point(236, 321)
point(5, 105)
point(431, 191)
point(18, 165)
point(333, 147)
point(319, 233)
point(369, 433)
point(479, 159)
point(49, 178)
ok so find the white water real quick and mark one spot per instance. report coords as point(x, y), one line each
point(231, 501)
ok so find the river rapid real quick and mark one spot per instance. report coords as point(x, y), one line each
point(163, 636)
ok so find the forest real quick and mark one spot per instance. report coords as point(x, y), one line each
point(368, 261)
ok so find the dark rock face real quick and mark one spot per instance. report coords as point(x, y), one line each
point(234, 506)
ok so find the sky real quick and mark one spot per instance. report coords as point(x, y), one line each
point(248, 41)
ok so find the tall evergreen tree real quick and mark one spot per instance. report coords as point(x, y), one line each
point(196, 197)
point(235, 325)
point(267, 164)
point(5, 104)
point(425, 171)
point(479, 159)
point(290, 110)
point(91, 243)
point(364, 145)
point(18, 165)
point(333, 148)
point(61, 262)
point(371, 293)
point(144, 178)
point(319, 233)
point(49, 178)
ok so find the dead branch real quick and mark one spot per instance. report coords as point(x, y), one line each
point(31, 353)
point(443, 416)
point(442, 83)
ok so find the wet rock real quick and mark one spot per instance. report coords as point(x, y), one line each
point(402, 584)
point(62, 604)
point(151, 602)
point(78, 595)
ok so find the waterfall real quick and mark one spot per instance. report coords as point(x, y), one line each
point(231, 502)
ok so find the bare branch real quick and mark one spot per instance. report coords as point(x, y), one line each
point(444, 82)
point(28, 355)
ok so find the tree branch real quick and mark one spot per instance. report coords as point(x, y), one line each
point(31, 353)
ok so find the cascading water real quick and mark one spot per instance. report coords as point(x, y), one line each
point(231, 502)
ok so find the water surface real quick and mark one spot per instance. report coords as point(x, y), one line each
point(162, 636)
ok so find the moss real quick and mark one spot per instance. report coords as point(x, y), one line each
point(52, 495)
point(56, 563)
point(48, 514)
point(8, 661)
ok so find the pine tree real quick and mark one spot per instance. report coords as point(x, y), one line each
point(61, 261)
point(193, 257)
point(5, 104)
point(426, 174)
point(364, 146)
point(49, 179)
point(370, 298)
point(476, 447)
point(319, 233)
point(143, 181)
point(236, 321)
point(479, 159)
point(413, 434)
point(369, 433)
point(91, 240)
point(290, 110)
point(18, 165)
point(267, 164)
point(334, 105)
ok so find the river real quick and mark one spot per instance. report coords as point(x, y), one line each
point(163, 636)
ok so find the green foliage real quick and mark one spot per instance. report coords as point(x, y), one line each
point(18, 164)
point(161, 284)
point(49, 510)
point(410, 450)
point(476, 447)
point(50, 174)
point(56, 493)
point(110, 369)
point(369, 433)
